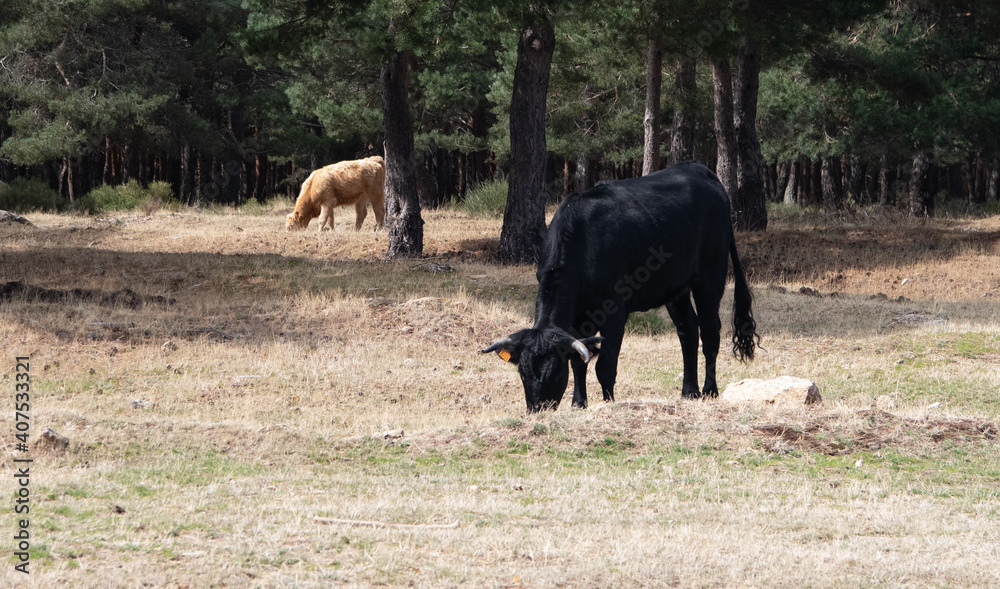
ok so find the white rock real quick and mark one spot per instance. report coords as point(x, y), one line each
point(784, 390)
point(885, 403)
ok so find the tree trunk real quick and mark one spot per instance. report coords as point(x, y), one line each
point(725, 132)
point(793, 180)
point(816, 190)
point(682, 132)
point(185, 186)
point(833, 187)
point(956, 182)
point(406, 227)
point(771, 182)
point(749, 207)
point(921, 203)
point(69, 179)
point(805, 183)
point(994, 182)
point(886, 182)
point(651, 122)
point(784, 173)
point(855, 178)
point(583, 178)
point(524, 214)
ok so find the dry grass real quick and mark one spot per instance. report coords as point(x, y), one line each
point(290, 376)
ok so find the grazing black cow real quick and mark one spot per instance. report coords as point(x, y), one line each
point(627, 246)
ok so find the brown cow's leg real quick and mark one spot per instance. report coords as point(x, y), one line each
point(361, 210)
point(325, 216)
point(378, 207)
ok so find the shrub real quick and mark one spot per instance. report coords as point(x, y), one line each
point(24, 196)
point(252, 207)
point(487, 199)
point(129, 196)
point(647, 323)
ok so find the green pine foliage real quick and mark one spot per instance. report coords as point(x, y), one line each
point(242, 84)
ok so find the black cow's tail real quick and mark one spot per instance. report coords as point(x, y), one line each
point(745, 338)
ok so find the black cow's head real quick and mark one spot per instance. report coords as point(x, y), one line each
point(542, 356)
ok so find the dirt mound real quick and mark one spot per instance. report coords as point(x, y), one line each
point(125, 297)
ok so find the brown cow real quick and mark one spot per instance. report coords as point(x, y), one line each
point(354, 182)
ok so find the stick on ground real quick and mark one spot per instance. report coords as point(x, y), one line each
point(374, 524)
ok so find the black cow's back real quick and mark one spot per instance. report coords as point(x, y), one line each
point(634, 243)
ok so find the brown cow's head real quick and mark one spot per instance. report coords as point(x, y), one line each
point(295, 221)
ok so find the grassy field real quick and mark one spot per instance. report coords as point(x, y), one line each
point(228, 390)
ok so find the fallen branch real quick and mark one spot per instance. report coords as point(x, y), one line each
point(373, 524)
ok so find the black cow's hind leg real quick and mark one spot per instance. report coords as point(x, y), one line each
point(607, 362)
point(579, 382)
point(708, 320)
point(686, 321)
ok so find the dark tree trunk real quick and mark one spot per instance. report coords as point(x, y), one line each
point(921, 202)
point(956, 184)
point(833, 187)
point(725, 132)
point(682, 132)
point(479, 160)
point(784, 175)
point(107, 176)
point(771, 182)
point(651, 122)
point(855, 178)
point(184, 193)
point(793, 181)
point(406, 227)
point(426, 181)
point(805, 183)
point(524, 214)
point(749, 207)
point(816, 190)
point(886, 184)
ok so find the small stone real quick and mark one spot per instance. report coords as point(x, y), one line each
point(885, 403)
point(51, 440)
point(412, 363)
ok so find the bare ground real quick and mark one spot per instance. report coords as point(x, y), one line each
point(223, 384)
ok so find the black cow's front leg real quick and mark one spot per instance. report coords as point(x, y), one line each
point(579, 381)
point(686, 321)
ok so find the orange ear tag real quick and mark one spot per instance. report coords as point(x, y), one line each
point(505, 355)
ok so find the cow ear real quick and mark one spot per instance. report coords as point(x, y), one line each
point(506, 348)
point(592, 343)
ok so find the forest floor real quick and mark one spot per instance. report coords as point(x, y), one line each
point(246, 407)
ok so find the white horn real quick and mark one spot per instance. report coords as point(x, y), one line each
point(496, 345)
point(582, 349)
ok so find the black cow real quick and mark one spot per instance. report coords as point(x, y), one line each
point(627, 246)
